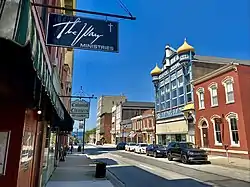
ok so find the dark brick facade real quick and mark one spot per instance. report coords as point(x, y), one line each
point(105, 127)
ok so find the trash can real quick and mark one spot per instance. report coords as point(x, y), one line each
point(100, 171)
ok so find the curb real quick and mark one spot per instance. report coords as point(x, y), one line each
point(114, 179)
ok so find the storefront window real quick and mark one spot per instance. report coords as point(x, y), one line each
point(49, 156)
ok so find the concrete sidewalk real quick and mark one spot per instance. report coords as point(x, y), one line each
point(77, 171)
point(232, 162)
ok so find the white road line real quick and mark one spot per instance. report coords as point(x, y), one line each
point(142, 165)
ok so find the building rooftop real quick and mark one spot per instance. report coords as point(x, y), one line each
point(219, 60)
point(138, 104)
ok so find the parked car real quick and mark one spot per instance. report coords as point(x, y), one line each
point(186, 152)
point(130, 146)
point(141, 148)
point(156, 150)
point(121, 146)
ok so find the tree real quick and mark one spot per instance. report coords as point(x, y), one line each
point(88, 133)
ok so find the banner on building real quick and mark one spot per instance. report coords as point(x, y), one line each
point(84, 33)
point(79, 110)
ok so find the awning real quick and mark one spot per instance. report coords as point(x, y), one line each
point(67, 123)
point(188, 107)
point(132, 134)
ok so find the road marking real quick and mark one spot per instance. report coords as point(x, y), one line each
point(118, 156)
point(142, 165)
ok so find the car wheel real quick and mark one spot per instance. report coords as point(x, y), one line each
point(140, 152)
point(147, 153)
point(155, 154)
point(170, 158)
point(184, 159)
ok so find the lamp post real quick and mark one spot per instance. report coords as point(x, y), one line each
point(155, 79)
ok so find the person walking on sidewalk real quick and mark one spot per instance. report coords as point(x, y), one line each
point(71, 148)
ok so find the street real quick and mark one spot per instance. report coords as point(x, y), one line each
point(136, 170)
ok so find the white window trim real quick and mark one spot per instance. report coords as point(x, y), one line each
point(198, 92)
point(228, 117)
point(213, 122)
point(210, 88)
point(224, 83)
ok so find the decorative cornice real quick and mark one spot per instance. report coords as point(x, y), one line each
point(215, 73)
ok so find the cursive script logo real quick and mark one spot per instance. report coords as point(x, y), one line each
point(86, 31)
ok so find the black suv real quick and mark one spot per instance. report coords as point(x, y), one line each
point(186, 152)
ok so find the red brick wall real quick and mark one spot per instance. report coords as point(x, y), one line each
point(106, 123)
point(223, 109)
point(244, 86)
point(25, 170)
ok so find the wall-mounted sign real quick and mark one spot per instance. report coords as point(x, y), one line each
point(84, 33)
point(79, 110)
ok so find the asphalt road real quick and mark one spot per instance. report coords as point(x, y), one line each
point(136, 170)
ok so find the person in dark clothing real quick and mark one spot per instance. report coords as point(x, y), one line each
point(71, 149)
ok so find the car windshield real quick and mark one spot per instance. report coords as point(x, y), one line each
point(144, 145)
point(187, 145)
point(132, 144)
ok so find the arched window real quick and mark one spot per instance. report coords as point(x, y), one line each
point(213, 87)
point(229, 90)
point(201, 98)
point(217, 129)
point(232, 119)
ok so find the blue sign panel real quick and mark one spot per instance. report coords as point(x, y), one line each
point(84, 33)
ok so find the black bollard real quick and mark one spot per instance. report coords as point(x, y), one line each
point(100, 171)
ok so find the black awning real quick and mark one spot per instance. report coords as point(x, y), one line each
point(67, 123)
point(17, 73)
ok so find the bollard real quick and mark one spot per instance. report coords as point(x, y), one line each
point(100, 171)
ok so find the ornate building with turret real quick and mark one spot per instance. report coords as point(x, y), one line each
point(174, 97)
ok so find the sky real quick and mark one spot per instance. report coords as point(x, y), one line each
point(214, 28)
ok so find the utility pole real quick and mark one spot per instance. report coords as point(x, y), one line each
point(83, 135)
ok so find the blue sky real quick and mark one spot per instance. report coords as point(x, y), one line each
point(215, 28)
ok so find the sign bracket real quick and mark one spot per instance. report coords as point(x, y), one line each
point(78, 97)
point(85, 11)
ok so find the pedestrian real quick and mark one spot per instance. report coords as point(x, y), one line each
point(71, 148)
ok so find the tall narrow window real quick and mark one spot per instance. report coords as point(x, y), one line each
point(229, 91)
point(201, 98)
point(232, 119)
point(217, 131)
point(213, 94)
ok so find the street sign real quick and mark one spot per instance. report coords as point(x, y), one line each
point(79, 110)
point(84, 33)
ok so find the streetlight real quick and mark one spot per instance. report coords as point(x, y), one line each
point(155, 79)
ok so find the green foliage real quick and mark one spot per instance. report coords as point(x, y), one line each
point(88, 132)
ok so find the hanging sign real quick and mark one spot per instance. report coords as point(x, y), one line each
point(79, 110)
point(85, 33)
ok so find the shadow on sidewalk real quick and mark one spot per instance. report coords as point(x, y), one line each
point(133, 176)
point(108, 161)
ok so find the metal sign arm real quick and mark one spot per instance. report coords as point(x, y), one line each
point(85, 11)
point(79, 97)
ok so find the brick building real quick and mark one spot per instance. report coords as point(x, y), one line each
point(105, 127)
point(35, 121)
point(122, 114)
point(143, 127)
point(222, 110)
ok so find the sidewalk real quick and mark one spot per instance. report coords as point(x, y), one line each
point(232, 162)
point(77, 171)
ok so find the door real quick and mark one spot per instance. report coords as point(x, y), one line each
point(205, 137)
